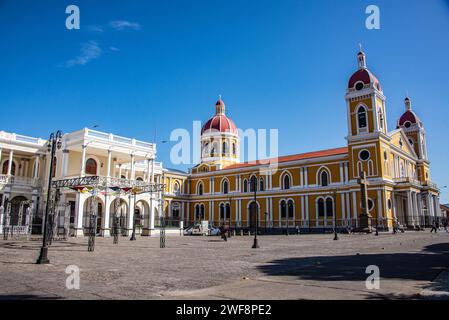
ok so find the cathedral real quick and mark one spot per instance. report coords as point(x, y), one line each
point(320, 189)
point(105, 176)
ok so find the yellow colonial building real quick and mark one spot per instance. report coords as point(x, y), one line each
point(314, 190)
point(311, 191)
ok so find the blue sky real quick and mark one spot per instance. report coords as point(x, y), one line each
point(278, 64)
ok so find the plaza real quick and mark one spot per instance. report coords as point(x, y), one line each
point(284, 267)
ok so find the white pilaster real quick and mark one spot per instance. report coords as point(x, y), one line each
point(11, 155)
point(108, 165)
point(79, 206)
point(105, 227)
point(83, 160)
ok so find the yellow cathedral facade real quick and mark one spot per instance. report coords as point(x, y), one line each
point(316, 190)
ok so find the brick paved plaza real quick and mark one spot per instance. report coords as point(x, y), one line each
point(285, 267)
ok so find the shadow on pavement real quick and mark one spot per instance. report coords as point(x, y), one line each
point(423, 266)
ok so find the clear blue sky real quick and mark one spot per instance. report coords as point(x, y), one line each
point(278, 64)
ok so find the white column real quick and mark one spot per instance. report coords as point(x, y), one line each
point(341, 172)
point(120, 171)
point(302, 205)
point(133, 168)
point(306, 205)
point(343, 216)
point(11, 154)
point(409, 207)
point(105, 227)
point(108, 166)
point(65, 162)
point(151, 213)
point(83, 161)
point(152, 170)
point(148, 162)
point(182, 210)
point(379, 205)
point(79, 206)
point(188, 210)
point(306, 179)
point(301, 176)
point(131, 213)
point(36, 167)
point(348, 207)
point(354, 205)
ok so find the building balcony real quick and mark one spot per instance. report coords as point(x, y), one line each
point(6, 180)
point(414, 182)
point(99, 180)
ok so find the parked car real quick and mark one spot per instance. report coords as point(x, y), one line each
point(214, 231)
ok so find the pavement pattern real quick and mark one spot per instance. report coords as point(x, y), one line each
point(412, 266)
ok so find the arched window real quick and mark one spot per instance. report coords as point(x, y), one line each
point(222, 211)
point(253, 183)
point(362, 118)
point(234, 149)
point(228, 211)
point(214, 149)
point(91, 166)
point(261, 185)
point(245, 185)
point(176, 188)
point(324, 178)
point(5, 168)
point(200, 188)
point(206, 149)
point(225, 148)
point(290, 209)
point(225, 187)
point(199, 211)
point(283, 210)
point(139, 179)
point(286, 182)
point(321, 207)
point(329, 207)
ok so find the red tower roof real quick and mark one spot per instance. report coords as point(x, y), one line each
point(366, 77)
point(219, 123)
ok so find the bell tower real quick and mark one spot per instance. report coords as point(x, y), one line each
point(367, 120)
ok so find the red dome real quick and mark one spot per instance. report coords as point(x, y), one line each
point(220, 102)
point(219, 123)
point(409, 116)
point(366, 77)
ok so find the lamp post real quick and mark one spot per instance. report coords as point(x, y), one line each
point(230, 217)
point(335, 215)
point(133, 235)
point(55, 142)
point(254, 186)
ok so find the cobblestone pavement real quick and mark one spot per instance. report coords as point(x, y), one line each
point(284, 267)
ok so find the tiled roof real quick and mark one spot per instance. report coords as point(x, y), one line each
point(301, 156)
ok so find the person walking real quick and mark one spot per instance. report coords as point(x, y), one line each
point(445, 224)
point(434, 227)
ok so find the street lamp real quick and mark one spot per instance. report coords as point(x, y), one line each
point(254, 186)
point(335, 216)
point(55, 142)
point(230, 218)
point(133, 235)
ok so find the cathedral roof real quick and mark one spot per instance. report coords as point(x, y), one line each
point(294, 157)
point(220, 122)
point(366, 77)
